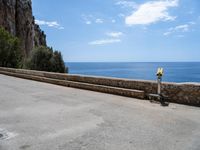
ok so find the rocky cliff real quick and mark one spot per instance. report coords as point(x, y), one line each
point(17, 18)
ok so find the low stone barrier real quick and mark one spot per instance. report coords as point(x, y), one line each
point(183, 93)
point(81, 85)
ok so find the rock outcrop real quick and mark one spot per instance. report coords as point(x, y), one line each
point(17, 18)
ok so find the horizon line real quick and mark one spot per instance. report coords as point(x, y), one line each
point(132, 62)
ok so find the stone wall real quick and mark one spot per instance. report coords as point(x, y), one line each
point(183, 93)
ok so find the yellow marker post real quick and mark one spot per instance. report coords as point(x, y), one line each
point(159, 74)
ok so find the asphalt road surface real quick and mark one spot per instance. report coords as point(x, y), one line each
point(40, 116)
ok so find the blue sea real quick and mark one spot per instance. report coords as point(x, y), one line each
point(173, 71)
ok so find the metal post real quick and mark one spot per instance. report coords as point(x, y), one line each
point(159, 79)
point(159, 87)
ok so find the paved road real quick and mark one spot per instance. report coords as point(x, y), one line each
point(40, 116)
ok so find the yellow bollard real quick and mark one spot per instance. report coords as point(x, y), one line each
point(159, 74)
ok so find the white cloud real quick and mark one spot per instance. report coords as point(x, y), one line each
point(114, 34)
point(61, 28)
point(90, 19)
point(125, 3)
point(53, 24)
point(167, 33)
point(113, 21)
point(114, 38)
point(98, 20)
point(87, 19)
point(104, 41)
point(88, 22)
point(121, 15)
point(191, 12)
point(192, 23)
point(151, 12)
point(179, 28)
point(183, 28)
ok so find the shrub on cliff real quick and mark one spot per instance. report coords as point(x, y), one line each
point(44, 59)
point(10, 52)
point(58, 64)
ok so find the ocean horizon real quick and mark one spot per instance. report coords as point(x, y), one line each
point(173, 71)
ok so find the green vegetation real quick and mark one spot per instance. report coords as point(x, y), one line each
point(44, 59)
point(58, 64)
point(41, 58)
point(10, 52)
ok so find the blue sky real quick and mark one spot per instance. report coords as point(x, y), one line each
point(121, 30)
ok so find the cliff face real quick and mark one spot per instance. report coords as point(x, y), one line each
point(17, 18)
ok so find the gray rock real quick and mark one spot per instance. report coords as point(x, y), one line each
point(17, 18)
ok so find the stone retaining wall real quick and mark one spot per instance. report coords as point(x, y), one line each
point(183, 93)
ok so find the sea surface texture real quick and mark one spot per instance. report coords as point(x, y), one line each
point(173, 71)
